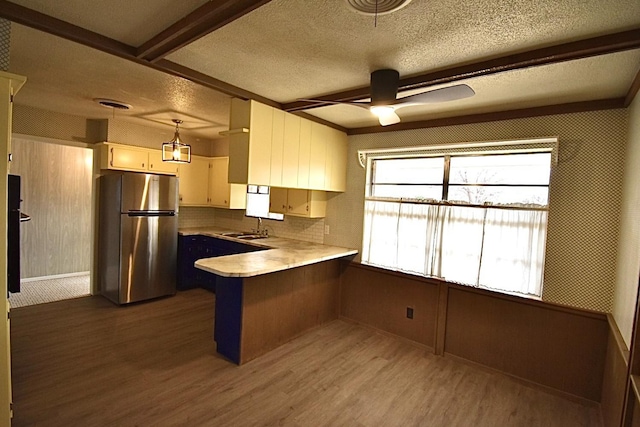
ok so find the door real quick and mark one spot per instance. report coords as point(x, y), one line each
point(278, 200)
point(148, 256)
point(128, 159)
point(156, 165)
point(298, 202)
point(194, 182)
point(219, 188)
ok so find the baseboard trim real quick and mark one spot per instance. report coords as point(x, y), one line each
point(55, 276)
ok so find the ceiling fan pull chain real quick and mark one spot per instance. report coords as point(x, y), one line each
point(375, 18)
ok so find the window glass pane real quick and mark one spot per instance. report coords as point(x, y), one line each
point(531, 168)
point(498, 194)
point(428, 170)
point(407, 191)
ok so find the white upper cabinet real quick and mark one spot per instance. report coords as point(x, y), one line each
point(135, 159)
point(271, 147)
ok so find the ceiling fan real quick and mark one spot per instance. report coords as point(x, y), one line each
point(384, 101)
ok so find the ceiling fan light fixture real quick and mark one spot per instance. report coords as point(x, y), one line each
point(382, 110)
point(176, 151)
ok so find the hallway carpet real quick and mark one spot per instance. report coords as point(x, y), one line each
point(49, 290)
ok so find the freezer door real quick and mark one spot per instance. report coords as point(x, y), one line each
point(147, 192)
point(148, 257)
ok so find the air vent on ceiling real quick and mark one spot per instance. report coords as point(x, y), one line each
point(113, 104)
point(376, 7)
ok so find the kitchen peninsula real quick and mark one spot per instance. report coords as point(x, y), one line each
point(266, 298)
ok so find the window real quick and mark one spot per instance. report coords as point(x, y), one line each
point(477, 219)
point(258, 203)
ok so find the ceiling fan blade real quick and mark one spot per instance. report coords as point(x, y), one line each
point(389, 119)
point(450, 93)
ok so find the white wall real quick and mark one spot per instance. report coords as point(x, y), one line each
point(628, 261)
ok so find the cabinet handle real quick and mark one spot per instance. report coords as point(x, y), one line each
point(225, 202)
point(307, 208)
point(111, 162)
point(143, 165)
point(151, 165)
point(290, 208)
point(284, 207)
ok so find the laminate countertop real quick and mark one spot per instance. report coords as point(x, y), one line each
point(280, 254)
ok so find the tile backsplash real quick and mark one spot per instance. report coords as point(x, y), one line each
point(196, 217)
point(308, 230)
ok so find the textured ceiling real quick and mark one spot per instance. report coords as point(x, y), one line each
point(129, 21)
point(69, 76)
point(291, 49)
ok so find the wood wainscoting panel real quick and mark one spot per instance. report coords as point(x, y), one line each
point(553, 346)
point(614, 378)
point(380, 299)
point(280, 306)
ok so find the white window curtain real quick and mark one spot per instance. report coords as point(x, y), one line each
point(500, 249)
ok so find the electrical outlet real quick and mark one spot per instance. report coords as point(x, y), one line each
point(326, 229)
point(409, 312)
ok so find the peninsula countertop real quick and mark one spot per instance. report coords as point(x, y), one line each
point(280, 254)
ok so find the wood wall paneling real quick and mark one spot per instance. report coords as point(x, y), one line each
point(280, 306)
point(380, 299)
point(56, 193)
point(556, 347)
point(553, 347)
point(614, 377)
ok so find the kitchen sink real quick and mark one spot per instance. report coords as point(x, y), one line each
point(244, 235)
point(252, 237)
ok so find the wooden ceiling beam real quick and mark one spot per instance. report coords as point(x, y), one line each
point(595, 46)
point(547, 110)
point(207, 18)
point(48, 24)
point(633, 90)
point(39, 21)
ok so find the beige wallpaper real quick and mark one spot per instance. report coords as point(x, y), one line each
point(5, 43)
point(628, 262)
point(56, 193)
point(585, 196)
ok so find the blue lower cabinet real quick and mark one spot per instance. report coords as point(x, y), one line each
point(195, 247)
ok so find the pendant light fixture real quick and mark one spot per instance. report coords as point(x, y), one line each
point(175, 150)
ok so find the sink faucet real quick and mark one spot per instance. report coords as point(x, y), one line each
point(261, 231)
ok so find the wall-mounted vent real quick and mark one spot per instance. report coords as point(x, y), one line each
point(110, 103)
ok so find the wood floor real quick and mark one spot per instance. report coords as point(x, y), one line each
point(86, 362)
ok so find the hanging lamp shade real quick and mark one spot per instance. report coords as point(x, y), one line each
point(175, 150)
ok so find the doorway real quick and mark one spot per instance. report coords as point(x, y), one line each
point(55, 245)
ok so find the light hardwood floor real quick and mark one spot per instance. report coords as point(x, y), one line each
point(86, 362)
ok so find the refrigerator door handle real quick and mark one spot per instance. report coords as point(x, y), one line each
point(151, 213)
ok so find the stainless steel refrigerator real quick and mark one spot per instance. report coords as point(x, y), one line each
point(137, 236)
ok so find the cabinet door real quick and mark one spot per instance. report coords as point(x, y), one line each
point(219, 188)
point(194, 182)
point(304, 154)
point(277, 147)
point(317, 160)
point(156, 165)
point(291, 151)
point(260, 135)
point(336, 161)
point(278, 200)
point(298, 202)
point(128, 159)
point(339, 163)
